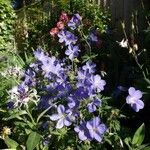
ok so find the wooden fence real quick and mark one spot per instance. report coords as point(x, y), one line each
point(123, 10)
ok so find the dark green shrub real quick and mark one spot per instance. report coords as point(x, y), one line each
point(6, 25)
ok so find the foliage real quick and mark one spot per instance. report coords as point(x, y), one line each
point(35, 20)
point(91, 11)
point(7, 17)
point(61, 97)
point(81, 91)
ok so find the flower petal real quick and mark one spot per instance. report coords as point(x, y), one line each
point(131, 90)
point(91, 107)
point(138, 105)
point(55, 117)
point(68, 52)
point(128, 100)
point(101, 129)
point(67, 122)
point(81, 135)
point(96, 121)
point(91, 132)
point(60, 123)
point(77, 129)
point(61, 109)
point(89, 125)
point(97, 137)
point(138, 94)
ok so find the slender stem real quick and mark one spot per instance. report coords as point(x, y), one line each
point(146, 17)
point(133, 53)
point(41, 115)
point(37, 147)
point(85, 39)
point(29, 114)
point(122, 106)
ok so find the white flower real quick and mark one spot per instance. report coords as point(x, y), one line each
point(123, 43)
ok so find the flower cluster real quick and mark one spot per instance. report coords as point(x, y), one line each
point(71, 97)
point(60, 24)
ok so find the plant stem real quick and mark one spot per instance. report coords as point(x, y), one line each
point(134, 54)
point(85, 39)
point(146, 17)
point(122, 106)
point(29, 114)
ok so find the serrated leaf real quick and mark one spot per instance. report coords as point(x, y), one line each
point(11, 143)
point(33, 140)
point(139, 135)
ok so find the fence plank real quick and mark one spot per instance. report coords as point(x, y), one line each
point(122, 10)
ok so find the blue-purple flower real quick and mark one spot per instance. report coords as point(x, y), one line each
point(89, 67)
point(75, 21)
point(39, 55)
point(94, 104)
point(72, 102)
point(134, 99)
point(93, 37)
point(72, 52)
point(67, 37)
point(97, 83)
point(83, 132)
point(29, 78)
point(62, 118)
point(96, 129)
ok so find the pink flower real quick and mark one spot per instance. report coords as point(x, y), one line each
point(54, 31)
point(64, 17)
point(60, 25)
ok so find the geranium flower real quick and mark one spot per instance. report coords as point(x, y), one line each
point(96, 129)
point(60, 25)
point(89, 67)
point(75, 21)
point(64, 17)
point(54, 31)
point(83, 132)
point(72, 52)
point(95, 103)
point(67, 37)
point(134, 99)
point(97, 83)
point(72, 102)
point(63, 118)
point(93, 37)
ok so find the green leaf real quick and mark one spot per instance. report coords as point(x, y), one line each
point(139, 135)
point(11, 143)
point(42, 114)
point(33, 140)
point(146, 148)
point(16, 115)
point(143, 147)
point(128, 141)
